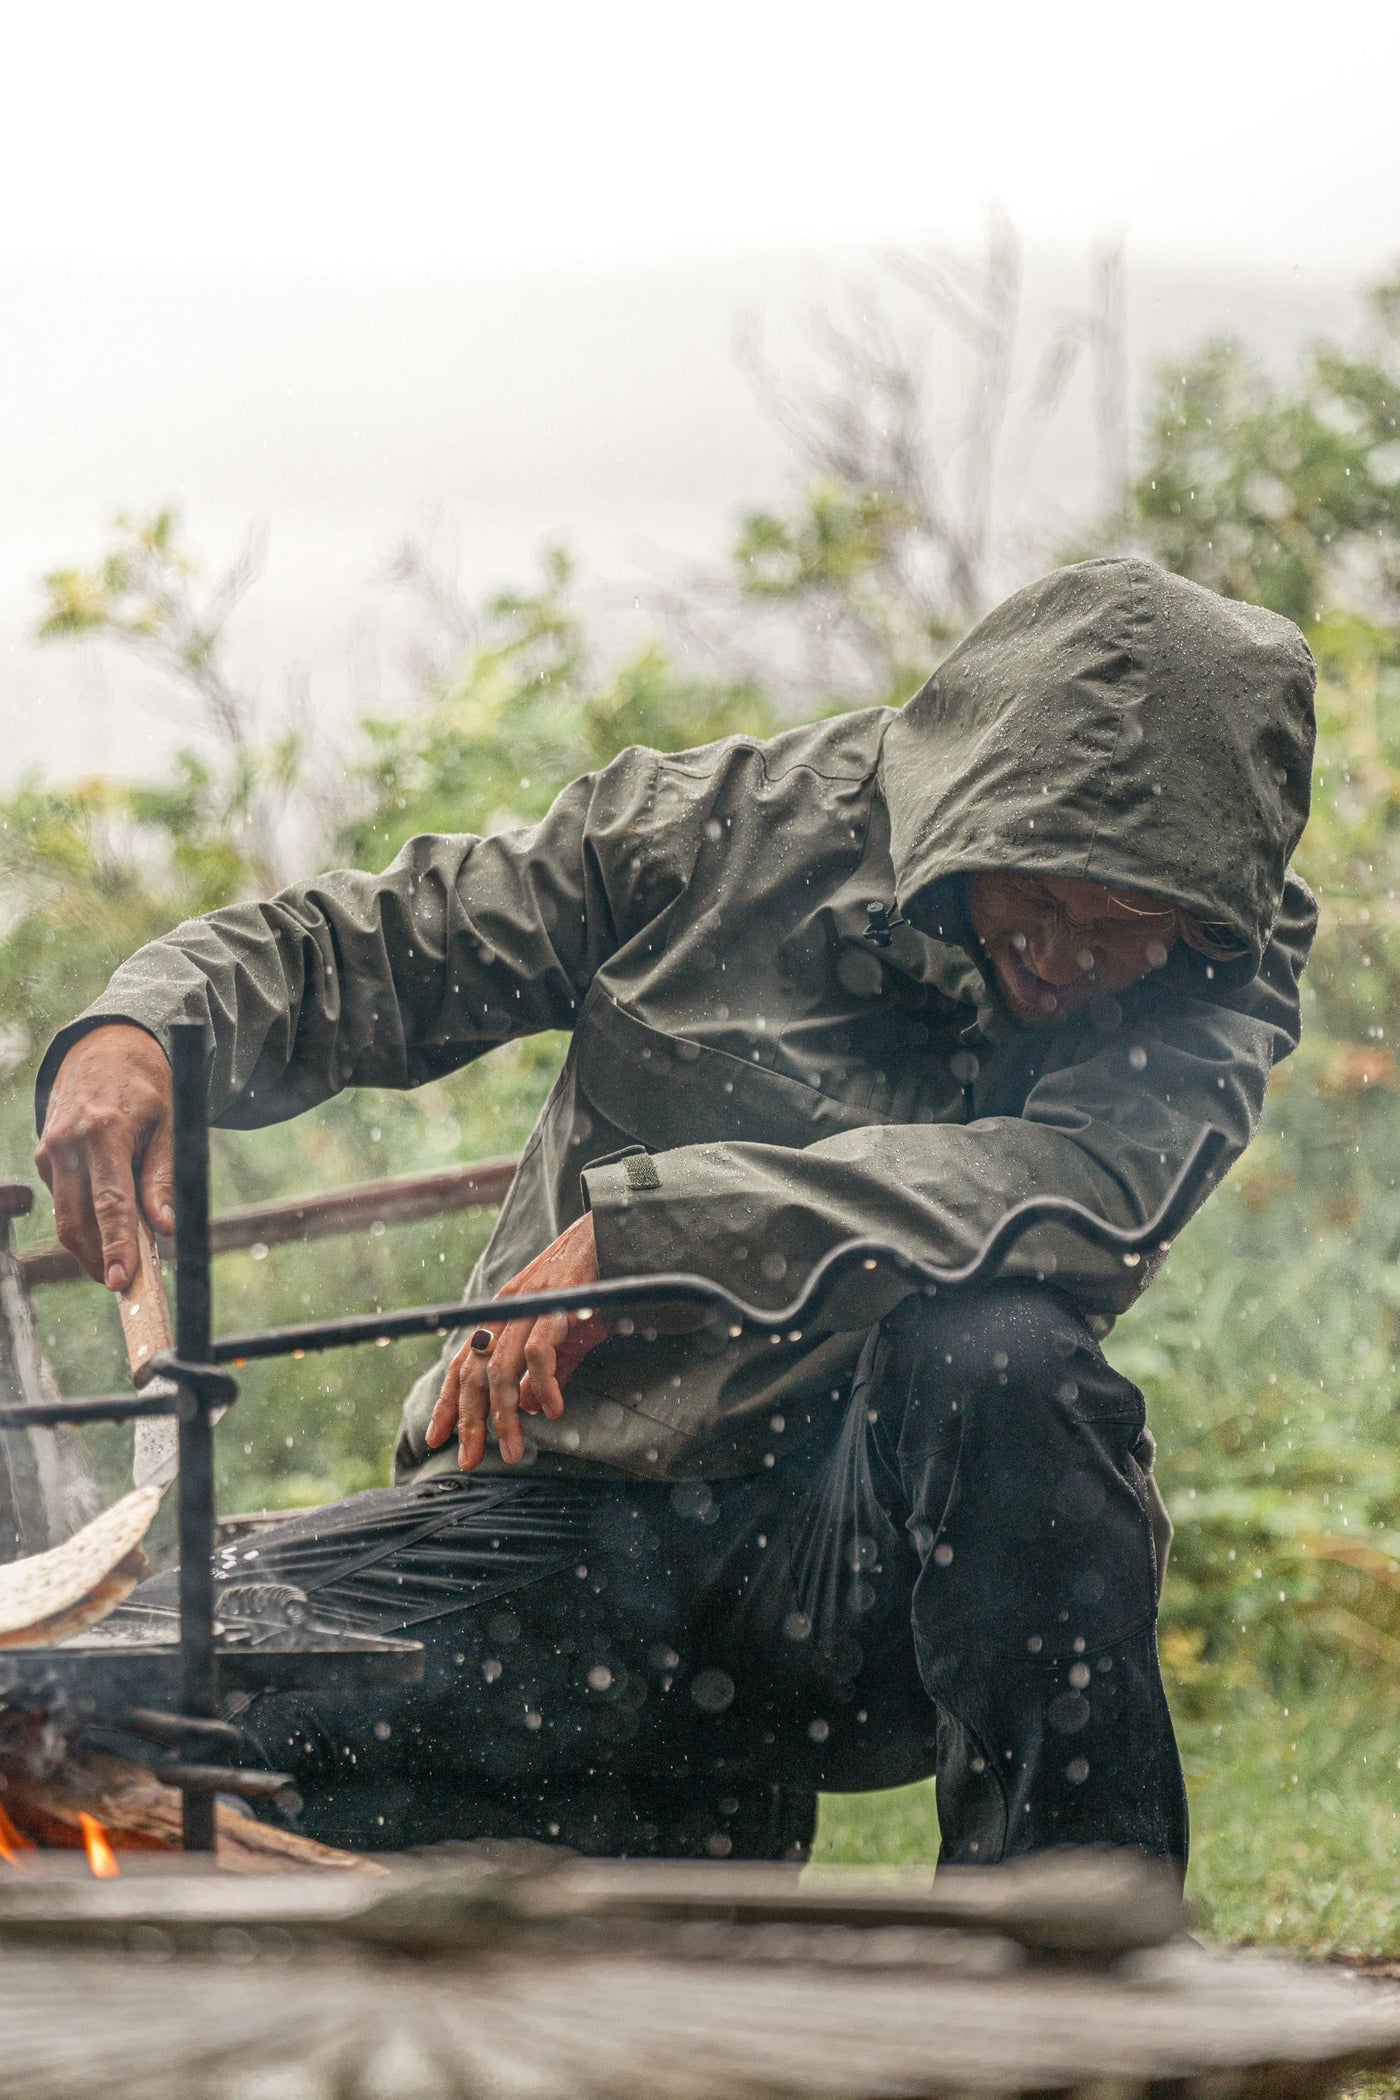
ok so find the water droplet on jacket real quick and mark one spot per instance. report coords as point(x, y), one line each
point(712, 1691)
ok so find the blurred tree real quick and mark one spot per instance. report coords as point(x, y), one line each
point(1269, 1347)
point(511, 703)
point(914, 418)
point(143, 596)
point(525, 708)
point(1284, 490)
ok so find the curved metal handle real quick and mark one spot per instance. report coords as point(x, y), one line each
point(624, 1292)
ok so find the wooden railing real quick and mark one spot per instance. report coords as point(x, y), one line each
point(394, 1202)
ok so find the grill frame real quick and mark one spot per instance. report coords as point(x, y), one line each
point(110, 1674)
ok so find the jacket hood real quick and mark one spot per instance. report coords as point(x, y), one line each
point(1115, 723)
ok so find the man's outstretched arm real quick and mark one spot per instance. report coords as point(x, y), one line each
point(349, 979)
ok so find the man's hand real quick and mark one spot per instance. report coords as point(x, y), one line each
point(107, 1145)
point(528, 1363)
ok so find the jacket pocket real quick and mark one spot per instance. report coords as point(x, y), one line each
point(664, 1090)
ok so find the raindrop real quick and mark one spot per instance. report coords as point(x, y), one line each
point(1077, 1771)
point(1137, 1058)
point(712, 1691)
point(1068, 1712)
point(819, 1730)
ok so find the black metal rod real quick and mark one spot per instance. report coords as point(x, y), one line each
point(208, 1780)
point(103, 1407)
point(681, 1288)
point(199, 1685)
point(177, 1729)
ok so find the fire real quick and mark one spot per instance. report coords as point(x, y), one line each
point(101, 1858)
point(13, 1842)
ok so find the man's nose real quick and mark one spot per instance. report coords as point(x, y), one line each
point(1055, 954)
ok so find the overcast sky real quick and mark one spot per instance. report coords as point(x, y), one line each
point(338, 271)
point(405, 133)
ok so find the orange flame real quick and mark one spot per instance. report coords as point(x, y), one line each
point(101, 1858)
point(13, 1842)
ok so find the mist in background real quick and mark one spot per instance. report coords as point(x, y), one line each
point(331, 277)
point(807, 332)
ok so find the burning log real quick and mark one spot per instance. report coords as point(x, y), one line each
point(56, 1795)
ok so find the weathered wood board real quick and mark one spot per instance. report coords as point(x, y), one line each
point(637, 1983)
point(47, 1487)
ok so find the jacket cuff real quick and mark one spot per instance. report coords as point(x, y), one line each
point(635, 1227)
point(679, 1210)
point(96, 1016)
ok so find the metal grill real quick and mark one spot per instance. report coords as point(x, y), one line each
point(173, 1689)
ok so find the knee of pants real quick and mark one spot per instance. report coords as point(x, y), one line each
point(1003, 1338)
point(1015, 1368)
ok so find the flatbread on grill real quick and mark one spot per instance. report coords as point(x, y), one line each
point(50, 1596)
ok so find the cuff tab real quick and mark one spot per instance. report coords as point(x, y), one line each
point(640, 1170)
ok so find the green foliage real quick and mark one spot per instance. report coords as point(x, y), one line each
point(89, 873)
point(1268, 1347)
point(1283, 491)
point(839, 560)
point(1296, 1831)
point(525, 713)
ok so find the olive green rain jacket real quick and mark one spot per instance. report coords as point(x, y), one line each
point(750, 1078)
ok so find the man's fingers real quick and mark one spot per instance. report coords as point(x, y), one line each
point(444, 1415)
point(461, 1410)
point(505, 1370)
point(72, 1211)
point(542, 1347)
point(114, 1207)
point(522, 1373)
point(473, 1407)
point(158, 1181)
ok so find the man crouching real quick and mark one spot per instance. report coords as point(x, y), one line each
point(886, 974)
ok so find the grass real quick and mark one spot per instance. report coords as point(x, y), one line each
point(1295, 1816)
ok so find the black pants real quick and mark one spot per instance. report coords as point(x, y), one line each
point(961, 1579)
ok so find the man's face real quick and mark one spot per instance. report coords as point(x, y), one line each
point(1058, 944)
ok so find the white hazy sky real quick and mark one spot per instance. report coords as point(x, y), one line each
point(531, 132)
point(338, 271)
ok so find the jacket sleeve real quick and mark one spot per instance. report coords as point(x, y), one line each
point(391, 980)
point(1110, 1121)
